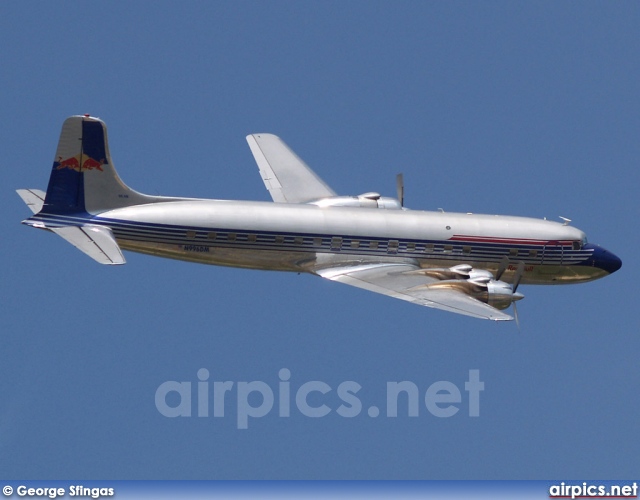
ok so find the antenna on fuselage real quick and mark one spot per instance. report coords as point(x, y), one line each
point(566, 221)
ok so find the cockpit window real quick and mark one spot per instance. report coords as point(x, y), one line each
point(579, 245)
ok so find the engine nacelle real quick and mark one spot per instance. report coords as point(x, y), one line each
point(366, 200)
point(500, 294)
point(480, 285)
point(480, 276)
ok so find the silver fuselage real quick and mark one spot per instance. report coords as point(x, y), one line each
point(298, 237)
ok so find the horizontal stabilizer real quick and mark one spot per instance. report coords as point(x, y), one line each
point(34, 198)
point(287, 177)
point(96, 241)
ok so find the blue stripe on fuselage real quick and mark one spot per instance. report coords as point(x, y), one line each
point(312, 242)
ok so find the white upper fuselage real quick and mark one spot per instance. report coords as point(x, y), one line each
point(282, 236)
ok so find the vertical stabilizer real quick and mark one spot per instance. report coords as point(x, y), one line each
point(83, 178)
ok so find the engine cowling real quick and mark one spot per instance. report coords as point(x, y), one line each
point(500, 294)
point(366, 200)
point(478, 283)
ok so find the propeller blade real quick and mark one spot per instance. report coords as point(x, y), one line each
point(400, 188)
point(518, 276)
point(515, 315)
point(502, 268)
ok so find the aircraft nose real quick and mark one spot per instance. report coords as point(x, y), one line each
point(604, 259)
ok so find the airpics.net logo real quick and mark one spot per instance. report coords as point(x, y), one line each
point(313, 399)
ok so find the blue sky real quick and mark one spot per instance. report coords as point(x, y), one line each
point(515, 108)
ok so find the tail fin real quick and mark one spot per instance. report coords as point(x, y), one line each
point(83, 178)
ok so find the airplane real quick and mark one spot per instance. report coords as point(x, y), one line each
point(463, 263)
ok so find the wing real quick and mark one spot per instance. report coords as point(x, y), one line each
point(96, 241)
point(287, 177)
point(396, 280)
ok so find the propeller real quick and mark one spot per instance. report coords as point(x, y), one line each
point(515, 315)
point(502, 267)
point(504, 263)
point(518, 276)
point(400, 188)
point(514, 287)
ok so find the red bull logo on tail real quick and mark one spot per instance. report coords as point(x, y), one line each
point(90, 164)
point(70, 163)
point(73, 163)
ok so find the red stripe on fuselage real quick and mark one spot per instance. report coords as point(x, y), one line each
point(508, 241)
